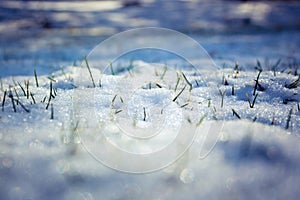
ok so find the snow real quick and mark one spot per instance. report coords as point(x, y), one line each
point(101, 137)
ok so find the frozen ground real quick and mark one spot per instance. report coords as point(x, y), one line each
point(44, 158)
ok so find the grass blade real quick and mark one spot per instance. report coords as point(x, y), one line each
point(164, 73)
point(27, 88)
point(32, 97)
point(10, 95)
point(118, 111)
point(17, 95)
point(144, 119)
point(1, 84)
point(222, 95)
point(178, 80)
point(289, 119)
point(22, 89)
point(26, 110)
point(111, 69)
point(294, 84)
point(158, 85)
point(201, 120)
point(256, 82)
point(88, 67)
point(236, 114)
point(44, 99)
point(179, 93)
point(52, 112)
point(3, 101)
point(36, 79)
point(187, 81)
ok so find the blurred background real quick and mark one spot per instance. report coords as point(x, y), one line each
point(55, 32)
point(108, 17)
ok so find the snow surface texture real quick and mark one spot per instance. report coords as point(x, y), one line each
point(43, 158)
point(250, 160)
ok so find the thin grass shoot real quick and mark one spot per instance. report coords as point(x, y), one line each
point(88, 67)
